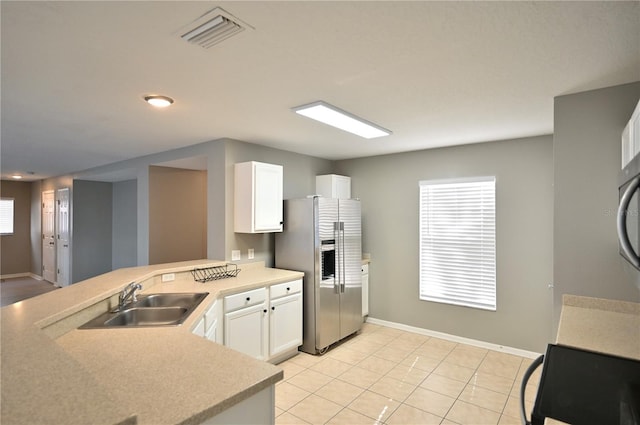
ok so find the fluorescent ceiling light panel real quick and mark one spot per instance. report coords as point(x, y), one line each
point(336, 117)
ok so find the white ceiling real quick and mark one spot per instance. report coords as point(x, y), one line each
point(435, 73)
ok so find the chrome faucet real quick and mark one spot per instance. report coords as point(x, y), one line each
point(129, 292)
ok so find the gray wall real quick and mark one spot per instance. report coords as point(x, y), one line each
point(36, 226)
point(177, 215)
point(92, 235)
point(138, 169)
point(299, 180)
point(586, 153)
point(388, 188)
point(16, 248)
point(125, 224)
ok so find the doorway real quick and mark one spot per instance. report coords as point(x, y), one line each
point(63, 237)
point(48, 236)
point(56, 236)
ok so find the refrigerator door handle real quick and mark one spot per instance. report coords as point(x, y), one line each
point(342, 262)
point(337, 261)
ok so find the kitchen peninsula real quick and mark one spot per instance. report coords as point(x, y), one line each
point(54, 373)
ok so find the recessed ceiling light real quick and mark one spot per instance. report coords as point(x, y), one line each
point(16, 177)
point(336, 117)
point(158, 101)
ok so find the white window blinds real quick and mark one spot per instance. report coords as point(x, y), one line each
point(458, 242)
point(6, 216)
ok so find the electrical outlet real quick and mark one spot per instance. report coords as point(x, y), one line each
point(235, 255)
point(251, 254)
point(168, 277)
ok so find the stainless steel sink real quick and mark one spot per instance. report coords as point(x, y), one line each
point(186, 300)
point(169, 309)
point(162, 316)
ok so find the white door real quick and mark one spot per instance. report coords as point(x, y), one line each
point(48, 236)
point(62, 242)
point(285, 330)
point(245, 330)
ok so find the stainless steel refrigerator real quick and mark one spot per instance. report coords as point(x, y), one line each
point(322, 238)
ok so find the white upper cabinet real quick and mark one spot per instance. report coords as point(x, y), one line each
point(258, 197)
point(333, 186)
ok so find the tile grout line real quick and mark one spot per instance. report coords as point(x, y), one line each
point(391, 339)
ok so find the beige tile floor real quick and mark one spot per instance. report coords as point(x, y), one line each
point(389, 376)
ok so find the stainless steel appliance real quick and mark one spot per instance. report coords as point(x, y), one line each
point(322, 238)
point(583, 387)
point(628, 221)
point(629, 213)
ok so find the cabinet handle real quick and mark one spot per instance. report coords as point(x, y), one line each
point(273, 308)
point(288, 289)
point(264, 311)
point(248, 298)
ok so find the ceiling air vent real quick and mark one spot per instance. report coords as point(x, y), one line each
point(212, 28)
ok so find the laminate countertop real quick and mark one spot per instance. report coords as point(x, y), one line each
point(54, 373)
point(601, 325)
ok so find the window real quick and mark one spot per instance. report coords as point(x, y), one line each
point(458, 242)
point(6, 216)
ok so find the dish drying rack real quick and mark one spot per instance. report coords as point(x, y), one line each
point(207, 274)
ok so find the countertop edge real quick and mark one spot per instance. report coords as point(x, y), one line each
point(618, 306)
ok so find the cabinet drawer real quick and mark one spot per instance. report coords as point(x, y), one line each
point(287, 288)
point(245, 299)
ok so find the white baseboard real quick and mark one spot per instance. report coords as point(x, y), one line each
point(14, 275)
point(455, 338)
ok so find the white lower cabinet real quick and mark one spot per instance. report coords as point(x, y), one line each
point(245, 330)
point(199, 329)
point(285, 318)
point(265, 323)
point(245, 323)
point(208, 325)
point(212, 319)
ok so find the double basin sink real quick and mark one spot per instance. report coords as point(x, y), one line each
point(162, 309)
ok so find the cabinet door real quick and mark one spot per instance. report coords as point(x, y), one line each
point(212, 317)
point(342, 187)
point(268, 197)
point(200, 328)
point(258, 197)
point(285, 330)
point(245, 330)
point(213, 333)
